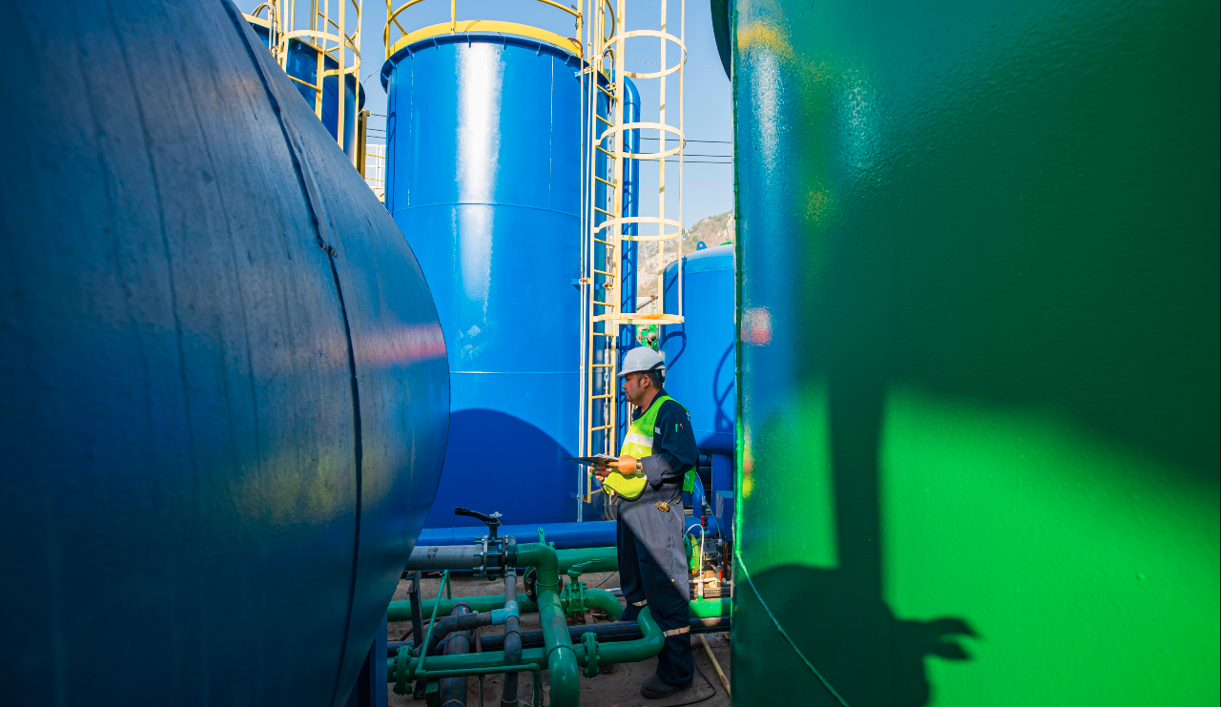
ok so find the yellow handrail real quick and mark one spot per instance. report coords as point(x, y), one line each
point(325, 30)
point(409, 36)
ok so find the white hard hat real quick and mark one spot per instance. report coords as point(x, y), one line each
point(642, 358)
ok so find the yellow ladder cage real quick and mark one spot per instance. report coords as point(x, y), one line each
point(603, 221)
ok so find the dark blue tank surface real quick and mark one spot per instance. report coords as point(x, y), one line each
point(700, 351)
point(223, 385)
point(483, 176)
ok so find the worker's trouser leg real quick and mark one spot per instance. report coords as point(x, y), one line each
point(629, 572)
point(653, 563)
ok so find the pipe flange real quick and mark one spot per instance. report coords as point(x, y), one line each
point(402, 662)
point(590, 641)
point(530, 579)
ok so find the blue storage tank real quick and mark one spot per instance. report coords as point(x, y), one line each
point(303, 64)
point(223, 385)
point(699, 353)
point(483, 176)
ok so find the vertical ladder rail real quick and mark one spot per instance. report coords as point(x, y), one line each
point(600, 247)
point(603, 222)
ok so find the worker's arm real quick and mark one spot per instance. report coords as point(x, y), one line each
point(674, 451)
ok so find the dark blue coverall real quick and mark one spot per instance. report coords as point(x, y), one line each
point(652, 560)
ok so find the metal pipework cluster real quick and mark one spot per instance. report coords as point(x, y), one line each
point(558, 656)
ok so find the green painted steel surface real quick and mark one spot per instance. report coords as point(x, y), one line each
point(978, 303)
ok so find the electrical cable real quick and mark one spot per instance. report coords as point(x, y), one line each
point(599, 584)
point(746, 573)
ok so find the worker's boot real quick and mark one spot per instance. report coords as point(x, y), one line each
point(654, 689)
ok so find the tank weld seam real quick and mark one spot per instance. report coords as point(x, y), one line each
point(488, 373)
point(746, 573)
point(292, 141)
point(314, 202)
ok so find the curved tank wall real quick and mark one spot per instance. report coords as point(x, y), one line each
point(224, 383)
point(483, 176)
point(700, 355)
point(978, 254)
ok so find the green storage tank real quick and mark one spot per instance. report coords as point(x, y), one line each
point(978, 320)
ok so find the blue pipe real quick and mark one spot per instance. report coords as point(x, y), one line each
point(565, 536)
point(702, 506)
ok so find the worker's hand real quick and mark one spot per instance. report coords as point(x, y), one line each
point(624, 465)
point(601, 472)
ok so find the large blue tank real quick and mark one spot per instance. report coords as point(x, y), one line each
point(223, 384)
point(699, 353)
point(483, 176)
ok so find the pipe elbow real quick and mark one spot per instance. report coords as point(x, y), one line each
point(543, 558)
point(654, 638)
point(538, 555)
point(605, 601)
point(564, 677)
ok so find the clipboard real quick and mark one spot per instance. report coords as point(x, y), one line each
point(596, 460)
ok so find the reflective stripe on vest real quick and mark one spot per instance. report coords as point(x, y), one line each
point(638, 443)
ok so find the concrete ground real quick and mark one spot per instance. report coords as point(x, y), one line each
point(619, 688)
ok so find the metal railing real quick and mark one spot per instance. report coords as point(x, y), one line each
point(396, 35)
point(324, 26)
point(604, 226)
point(374, 172)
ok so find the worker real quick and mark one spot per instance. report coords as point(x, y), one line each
point(645, 485)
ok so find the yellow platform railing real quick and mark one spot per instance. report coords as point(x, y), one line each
point(332, 29)
point(396, 35)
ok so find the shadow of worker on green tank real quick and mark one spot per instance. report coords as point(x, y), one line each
point(838, 616)
point(978, 294)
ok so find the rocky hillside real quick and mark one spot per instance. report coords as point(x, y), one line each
point(713, 231)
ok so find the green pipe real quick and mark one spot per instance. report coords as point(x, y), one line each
point(604, 600)
point(438, 674)
point(598, 559)
point(460, 672)
point(432, 622)
point(401, 610)
point(594, 559)
point(708, 608)
point(560, 656)
point(635, 651)
point(595, 598)
point(561, 659)
point(493, 661)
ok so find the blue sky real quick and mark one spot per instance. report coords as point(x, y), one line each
point(707, 188)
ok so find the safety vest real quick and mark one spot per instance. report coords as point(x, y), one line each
point(639, 443)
